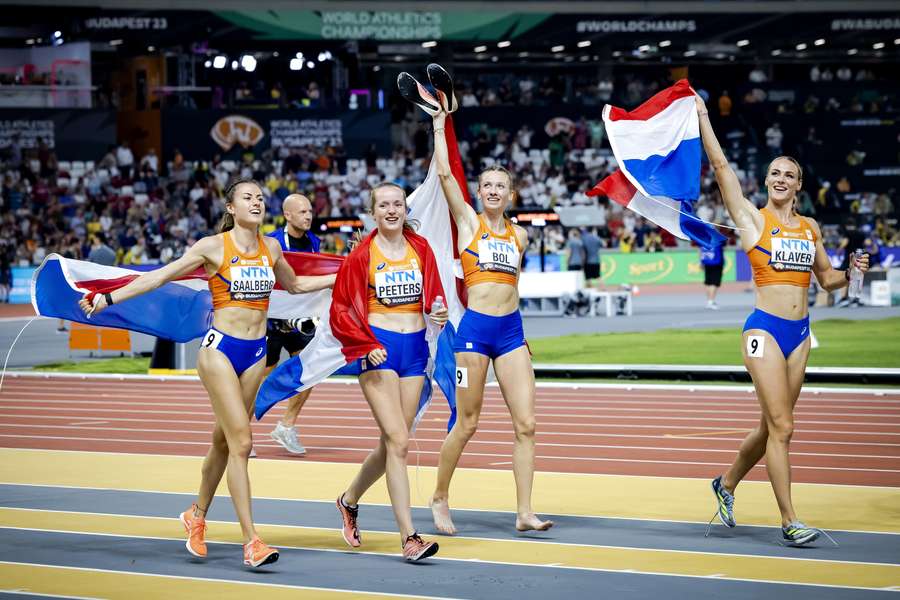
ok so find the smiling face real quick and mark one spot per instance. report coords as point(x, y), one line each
point(247, 206)
point(783, 180)
point(495, 190)
point(389, 208)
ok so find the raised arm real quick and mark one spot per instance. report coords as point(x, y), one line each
point(742, 211)
point(196, 256)
point(463, 214)
point(290, 281)
point(828, 277)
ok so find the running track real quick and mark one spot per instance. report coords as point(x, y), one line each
point(840, 438)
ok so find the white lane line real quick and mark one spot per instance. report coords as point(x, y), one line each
point(375, 438)
point(437, 452)
point(305, 426)
point(70, 424)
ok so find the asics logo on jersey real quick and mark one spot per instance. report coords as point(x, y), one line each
point(775, 231)
point(234, 259)
point(381, 266)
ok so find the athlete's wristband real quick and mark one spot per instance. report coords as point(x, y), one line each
point(108, 298)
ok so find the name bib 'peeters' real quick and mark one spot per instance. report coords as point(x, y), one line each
point(396, 288)
point(498, 255)
point(251, 282)
point(792, 254)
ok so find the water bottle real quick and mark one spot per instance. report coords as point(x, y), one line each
point(856, 276)
point(438, 304)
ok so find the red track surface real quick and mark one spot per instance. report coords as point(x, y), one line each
point(840, 438)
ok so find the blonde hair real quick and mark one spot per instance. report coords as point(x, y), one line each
point(499, 169)
point(791, 159)
point(407, 223)
point(227, 222)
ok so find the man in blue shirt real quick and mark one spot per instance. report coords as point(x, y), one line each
point(712, 261)
point(293, 336)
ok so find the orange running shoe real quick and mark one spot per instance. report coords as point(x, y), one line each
point(415, 548)
point(196, 530)
point(350, 530)
point(257, 553)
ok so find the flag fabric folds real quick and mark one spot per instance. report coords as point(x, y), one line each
point(658, 147)
point(180, 310)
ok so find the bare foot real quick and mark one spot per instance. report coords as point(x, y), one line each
point(440, 510)
point(531, 522)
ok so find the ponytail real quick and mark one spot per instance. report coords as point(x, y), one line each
point(227, 223)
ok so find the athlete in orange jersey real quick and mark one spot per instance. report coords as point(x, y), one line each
point(491, 251)
point(784, 250)
point(402, 285)
point(243, 267)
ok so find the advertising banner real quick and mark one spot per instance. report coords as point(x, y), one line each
point(200, 134)
point(644, 268)
point(72, 134)
point(20, 292)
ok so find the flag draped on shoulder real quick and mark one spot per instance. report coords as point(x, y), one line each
point(180, 310)
point(657, 146)
point(344, 334)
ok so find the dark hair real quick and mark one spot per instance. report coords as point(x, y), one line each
point(407, 224)
point(227, 222)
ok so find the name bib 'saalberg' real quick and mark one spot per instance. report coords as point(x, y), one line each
point(394, 288)
point(498, 255)
point(792, 254)
point(251, 283)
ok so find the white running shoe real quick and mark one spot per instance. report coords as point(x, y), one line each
point(712, 305)
point(252, 453)
point(287, 437)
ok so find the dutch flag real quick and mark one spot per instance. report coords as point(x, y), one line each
point(657, 146)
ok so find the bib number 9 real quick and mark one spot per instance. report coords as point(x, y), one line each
point(212, 339)
point(755, 346)
point(462, 377)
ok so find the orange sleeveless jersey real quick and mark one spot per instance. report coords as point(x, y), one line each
point(783, 255)
point(244, 281)
point(492, 257)
point(395, 285)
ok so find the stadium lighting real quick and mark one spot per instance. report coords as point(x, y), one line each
point(644, 48)
point(557, 48)
point(151, 48)
point(326, 55)
point(113, 42)
point(299, 55)
point(690, 53)
point(29, 41)
point(480, 49)
point(897, 42)
point(248, 63)
point(376, 68)
point(877, 45)
point(665, 43)
point(820, 42)
point(57, 34)
point(275, 54)
point(801, 47)
point(617, 53)
point(852, 51)
point(429, 44)
point(584, 43)
point(504, 44)
point(742, 43)
point(523, 54)
point(296, 64)
point(585, 58)
point(310, 64)
point(234, 65)
point(495, 58)
point(207, 64)
point(776, 52)
point(219, 62)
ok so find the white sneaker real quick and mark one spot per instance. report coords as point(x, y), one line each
point(287, 437)
point(712, 306)
point(252, 453)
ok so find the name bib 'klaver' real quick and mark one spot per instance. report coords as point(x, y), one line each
point(792, 254)
point(498, 255)
point(251, 283)
point(395, 288)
